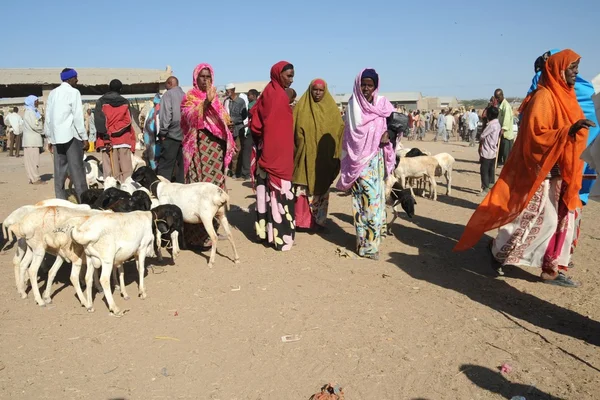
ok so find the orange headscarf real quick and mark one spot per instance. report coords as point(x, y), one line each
point(543, 141)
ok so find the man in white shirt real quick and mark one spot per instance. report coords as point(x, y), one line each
point(15, 124)
point(473, 121)
point(66, 133)
point(449, 125)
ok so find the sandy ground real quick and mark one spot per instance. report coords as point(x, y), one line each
point(421, 323)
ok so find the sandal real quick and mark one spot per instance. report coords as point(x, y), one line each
point(374, 257)
point(496, 266)
point(571, 265)
point(562, 280)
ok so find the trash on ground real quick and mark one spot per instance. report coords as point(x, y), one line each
point(290, 338)
point(505, 368)
point(166, 338)
point(331, 391)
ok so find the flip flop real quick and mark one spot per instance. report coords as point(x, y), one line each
point(496, 266)
point(562, 280)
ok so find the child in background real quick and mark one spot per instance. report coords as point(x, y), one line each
point(488, 150)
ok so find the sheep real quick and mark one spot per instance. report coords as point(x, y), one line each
point(32, 228)
point(168, 215)
point(416, 167)
point(139, 201)
point(112, 239)
point(108, 197)
point(446, 163)
point(129, 186)
point(93, 171)
point(111, 182)
point(137, 162)
point(199, 202)
point(22, 256)
point(404, 198)
point(60, 242)
point(414, 152)
point(20, 212)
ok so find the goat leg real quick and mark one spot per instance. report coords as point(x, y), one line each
point(75, 272)
point(140, 262)
point(227, 228)
point(33, 274)
point(123, 290)
point(105, 277)
point(51, 275)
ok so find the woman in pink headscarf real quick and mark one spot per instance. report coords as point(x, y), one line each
point(367, 156)
point(208, 144)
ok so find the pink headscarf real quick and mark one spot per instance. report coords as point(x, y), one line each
point(193, 117)
point(365, 126)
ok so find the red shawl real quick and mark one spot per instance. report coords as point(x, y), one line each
point(273, 122)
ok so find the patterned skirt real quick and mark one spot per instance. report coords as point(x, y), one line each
point(311, 210)
point(368, 205)
point(544, 235)
point(208, 165)
point(275, 211)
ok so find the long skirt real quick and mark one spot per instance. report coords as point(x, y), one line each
point(543, 235)
point(208, 165)
point(275, 211)
point(368, 205)
point(311, 210)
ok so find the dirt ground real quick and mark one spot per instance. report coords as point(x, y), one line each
point(421, 323)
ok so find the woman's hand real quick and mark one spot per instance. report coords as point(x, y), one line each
point(577, 126)
point(211, 92)
point(385, 139)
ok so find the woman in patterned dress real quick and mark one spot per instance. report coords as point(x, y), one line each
point(367, 156)
point(536, 198)
point(272, 125)
point(208, 144)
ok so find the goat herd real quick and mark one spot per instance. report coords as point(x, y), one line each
point(136, 218)
point(133, 219)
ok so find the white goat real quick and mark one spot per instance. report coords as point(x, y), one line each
point(414, 167)
point(60, 242)
point(137, 162)
point(446, 163)
point(32, 228)
point(199, 203)
point(111, 240)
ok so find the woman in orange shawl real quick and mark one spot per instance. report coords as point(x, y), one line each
point(536, 196)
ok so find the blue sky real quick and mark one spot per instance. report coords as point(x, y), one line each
point(466, 49)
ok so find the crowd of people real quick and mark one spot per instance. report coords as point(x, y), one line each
point(293, 155)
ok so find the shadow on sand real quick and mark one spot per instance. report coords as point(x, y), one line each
point(470, 273)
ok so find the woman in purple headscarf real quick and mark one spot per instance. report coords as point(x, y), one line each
point(367, 156)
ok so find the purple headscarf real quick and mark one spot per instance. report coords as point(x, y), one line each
point(365, 125)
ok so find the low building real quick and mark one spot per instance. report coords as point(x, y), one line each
point(448, 102)
point(20, 83)
point(408, 100)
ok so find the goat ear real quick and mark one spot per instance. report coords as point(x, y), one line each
point(162, 227)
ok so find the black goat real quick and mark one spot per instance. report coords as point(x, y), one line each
point(406, 201)
point(138, 201)
point(108, 197)
point(414, 152)
point(168, 220)
point(90, 196)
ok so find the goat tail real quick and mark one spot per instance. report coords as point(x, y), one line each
point(222, 199)
point(81, 236)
